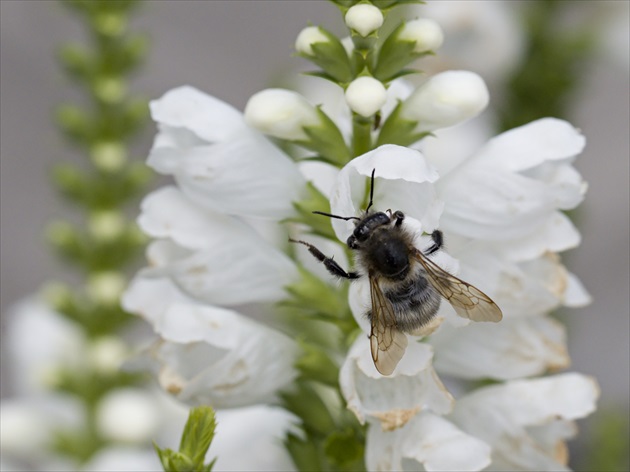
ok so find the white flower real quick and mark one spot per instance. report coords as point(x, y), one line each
point(206, 253)
point(364, 18)
point(307, 37)
point(511, 190)
point(280, 113)
point(402, 181)
point(210, 355)
point(427, 34)
point(427, 442)
point(366, 95)
point(123, 459)
point(217, 160)
point(446, 99)
point(128, 415)
point(526, 421)
point(414, 387)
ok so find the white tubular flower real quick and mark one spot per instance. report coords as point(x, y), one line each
point(128, 415)
point(207, 253)
point(510, 190)
point(446, 99)
point(392, 401)
point(123, 459)
point(426, 33)
point(307, 37)
point(364, 18)
point(217, 160)
point(526, 421)
point(280, 113)
point(209, 355)
point(366, 96)
point(403, 181)
point(427, 442)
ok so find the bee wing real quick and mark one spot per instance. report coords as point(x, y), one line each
point(467, 300)
point(387, 343)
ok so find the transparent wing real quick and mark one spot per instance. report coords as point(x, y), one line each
point(467, 300)
point(387, 343)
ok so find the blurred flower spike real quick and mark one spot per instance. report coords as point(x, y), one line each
point(244, 319)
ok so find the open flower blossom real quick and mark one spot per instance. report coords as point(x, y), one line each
point(219, 268)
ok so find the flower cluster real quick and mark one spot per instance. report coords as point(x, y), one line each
point(244, 318)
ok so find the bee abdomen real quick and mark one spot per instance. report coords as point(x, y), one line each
point(414, 304)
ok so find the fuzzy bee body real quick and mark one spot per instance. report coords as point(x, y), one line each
point(406, 286)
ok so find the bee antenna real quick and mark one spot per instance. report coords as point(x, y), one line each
point(371, 190)
point(336, 216)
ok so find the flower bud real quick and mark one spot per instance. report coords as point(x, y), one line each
point(445, 100)
point(366, 96)
point(280, 113)
point(364, 18)
point(308, 36)
point(426, 33)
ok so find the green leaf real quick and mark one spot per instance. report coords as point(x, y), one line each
point(198, 434)
point(397, 130)
point(306, 403)
point(314, 201)
point(303, 452)
point(317, 365)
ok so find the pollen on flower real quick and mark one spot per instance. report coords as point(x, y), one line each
point(397, 418)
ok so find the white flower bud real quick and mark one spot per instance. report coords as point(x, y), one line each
point(364, 18)
point(426, 33)
point(445, 100)
point(307, 37)
point(107, 353)
point(106, 287)
point(280, 113)
point(127, 415)
point(366, 96)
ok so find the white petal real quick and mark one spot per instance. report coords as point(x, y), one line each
point(209, 118)
point(483, 202)
point(128, 415)
point(427, 442)
point(576, 295)
point(252, 439)
point(402, 182)
point(222, 249)
point(556, 233)
point(393, 400)
point(224, 175)
point(530, 145)
point(514, 348)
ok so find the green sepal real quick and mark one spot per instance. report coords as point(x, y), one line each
point(326, 139)
point(397, 130)
point(389, 4)
point(317, 224)
point(317, 365)
point(394, 55)
point(306, 403)
point(174, 461)
point(332, 57)
point(345, 449)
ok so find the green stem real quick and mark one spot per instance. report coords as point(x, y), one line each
point(361, 134)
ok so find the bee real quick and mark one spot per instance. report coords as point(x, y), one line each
point(406, 286)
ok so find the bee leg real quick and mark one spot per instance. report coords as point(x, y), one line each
point(438, 242)
point(330, 264)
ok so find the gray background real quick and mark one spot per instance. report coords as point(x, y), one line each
point(231, 49)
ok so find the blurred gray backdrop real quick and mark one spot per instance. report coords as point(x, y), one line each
point(232, 49)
